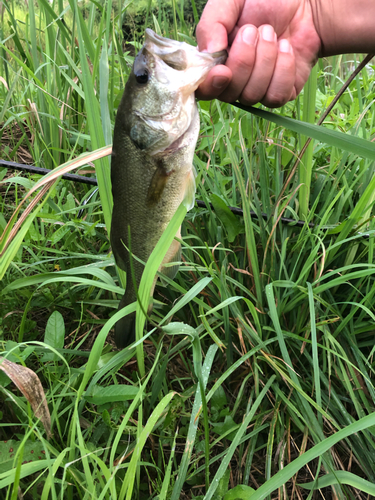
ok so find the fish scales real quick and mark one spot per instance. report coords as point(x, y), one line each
point(156, 130)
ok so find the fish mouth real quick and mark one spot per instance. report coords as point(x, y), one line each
point(166, 43)
point(159, 40)
point(191, 66)
point(219, 57)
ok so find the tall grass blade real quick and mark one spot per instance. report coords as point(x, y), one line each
point(94, 119)
point(346, 142)
point(305, 167)
point(193, 425)
point(225, 462)
point(128, 484)
point(289, 470)
point(148, 275)
point(341, 477)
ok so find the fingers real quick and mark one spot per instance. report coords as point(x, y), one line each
point(216, 81)
point(204, 36)
point(241, 61)
point(218, 19)
point(227, 82)
point(265, 60)
point(258, 69)
point(282, 85)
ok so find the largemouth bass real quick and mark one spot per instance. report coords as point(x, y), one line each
point(156, 130)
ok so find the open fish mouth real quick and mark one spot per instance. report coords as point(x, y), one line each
point(180, 54)
point(159, 40)
point(166, 43)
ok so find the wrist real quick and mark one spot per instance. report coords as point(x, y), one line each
point(344, 26)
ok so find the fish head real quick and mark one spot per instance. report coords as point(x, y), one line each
point(159, 100)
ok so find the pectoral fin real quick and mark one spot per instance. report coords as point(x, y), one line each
point(173, 255)
point(157, 185)
point(189, 197)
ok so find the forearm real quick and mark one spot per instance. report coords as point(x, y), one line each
point(345, 26)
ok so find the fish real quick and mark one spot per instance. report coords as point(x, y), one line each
point(152, 173)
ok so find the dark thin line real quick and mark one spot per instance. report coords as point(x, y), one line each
point(92, 181)
point(43, 171)
point(239, 211)
point(333, 103)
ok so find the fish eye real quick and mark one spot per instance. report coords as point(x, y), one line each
point(142, 78)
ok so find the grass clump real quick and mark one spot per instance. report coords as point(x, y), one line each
point(259, 381)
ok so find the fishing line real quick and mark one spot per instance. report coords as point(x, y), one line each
point(237, 211)
point(201, 204)
point(43, 171)
point(93, 182)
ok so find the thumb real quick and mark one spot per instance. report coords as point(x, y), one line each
point(218, 20)
point(211, 37)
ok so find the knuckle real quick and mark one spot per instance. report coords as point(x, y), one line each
point(275, 99)
point(244, 66)
point(250, 97)
point(269, 59)
point(229, 95)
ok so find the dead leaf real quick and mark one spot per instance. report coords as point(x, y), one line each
point(29, 384)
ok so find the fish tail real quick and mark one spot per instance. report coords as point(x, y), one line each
point(125, 327)
point(125, 330)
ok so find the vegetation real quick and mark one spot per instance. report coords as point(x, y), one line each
point(259, 378)
point(163, 14)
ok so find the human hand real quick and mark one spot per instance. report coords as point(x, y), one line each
point(272, 47)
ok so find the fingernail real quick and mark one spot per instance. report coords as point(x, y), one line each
point(219, 82)
point(284, 46)
point(268, 33)
point(250, 35)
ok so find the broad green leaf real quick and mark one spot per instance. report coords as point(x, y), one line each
point(110, 393)
point(223, 427)
point(239, 492)
point(223, 485)
point(32, 451)
point(54, 335)
point(219, 399)
point(230, 221)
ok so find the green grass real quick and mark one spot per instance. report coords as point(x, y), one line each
point(261, 372)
